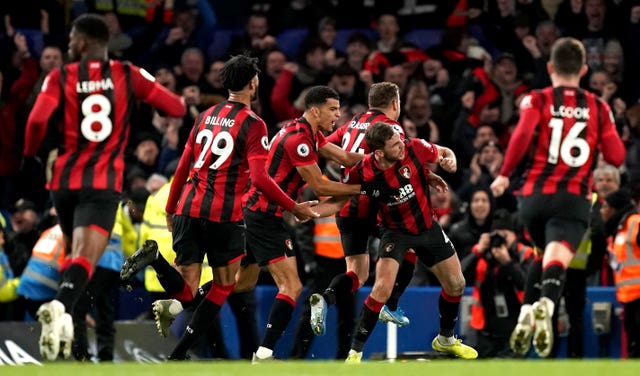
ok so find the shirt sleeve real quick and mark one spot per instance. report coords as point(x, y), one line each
point(46, 103)
point(336, 137)
point(353, 174)
point(612, 147)
point(181, 175)
point(425, 150)
point(257, 140)
point(146, 88)
point(321, 140)
point(300, 150)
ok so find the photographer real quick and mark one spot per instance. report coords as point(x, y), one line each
point(498, 263)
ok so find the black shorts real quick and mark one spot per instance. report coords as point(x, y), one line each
point(431, 246)
point(355, 234)
point(558, 217)
point(86, 208)
point(268, 240)
point(223, 243)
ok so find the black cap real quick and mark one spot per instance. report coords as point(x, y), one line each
point(505, 55)
point(23, 205)
point(502, 220)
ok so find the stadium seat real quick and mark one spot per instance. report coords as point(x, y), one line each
point(423, 38)
point(220, 43)
point(290, 40)
point(343, 35)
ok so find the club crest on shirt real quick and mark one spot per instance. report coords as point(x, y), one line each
point(265, 142)
point(389, 247)
point(303, 150)
point(289, 244)
point(405, 171)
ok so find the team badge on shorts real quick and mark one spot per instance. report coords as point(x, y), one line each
point(289, 244)
point(405, 171)
point(388, 247)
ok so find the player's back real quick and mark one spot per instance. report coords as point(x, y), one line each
point(220, 173)
point(350, 136)
point(293, 145)
point(96, 99)
point(569, 132)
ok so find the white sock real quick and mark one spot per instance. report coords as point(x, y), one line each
point(264, 353)
point(446, 341)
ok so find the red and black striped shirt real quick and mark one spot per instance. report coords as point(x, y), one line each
point(222, 142)
point(294, 145)
point(350, 137)
point(411, 213)
point(96, 98)
point(567, 125)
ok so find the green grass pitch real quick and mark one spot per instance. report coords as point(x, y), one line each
point(368, 368)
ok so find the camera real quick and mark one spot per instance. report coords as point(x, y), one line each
point(496, 240)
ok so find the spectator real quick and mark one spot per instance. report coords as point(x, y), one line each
point(255, 39)
point(24, 234)
point(389, 33)
point(358, 48)
point(12, 104)
point(119, 41)
point(18, 245)
point(498, 263)
point(174, 40)
point(39, 281)
point(621, 218)
point(8, 283)
point(274, 63)
point(145, 154)
point(477, 220)
point(539, 47)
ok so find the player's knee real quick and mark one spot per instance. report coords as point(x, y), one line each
point(454, 285)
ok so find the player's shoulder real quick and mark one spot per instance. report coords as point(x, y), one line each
point(252, 117)
point(532, 98)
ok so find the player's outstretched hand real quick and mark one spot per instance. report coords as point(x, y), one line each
point(304, 210)
point(499, 185)
point(437, 182)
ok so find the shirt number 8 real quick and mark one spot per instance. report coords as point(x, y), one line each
point(96, 125)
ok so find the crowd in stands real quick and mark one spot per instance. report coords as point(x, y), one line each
point(462, 68)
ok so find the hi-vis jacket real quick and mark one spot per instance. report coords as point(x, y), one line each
point(326, 238)
point(154, 226)
point(122, 241)
point(8, 283)
point(39, 280)
point(626, 260)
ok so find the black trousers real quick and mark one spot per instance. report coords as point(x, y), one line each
point(632, 327)
point(317, 283)
point(101, 294)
